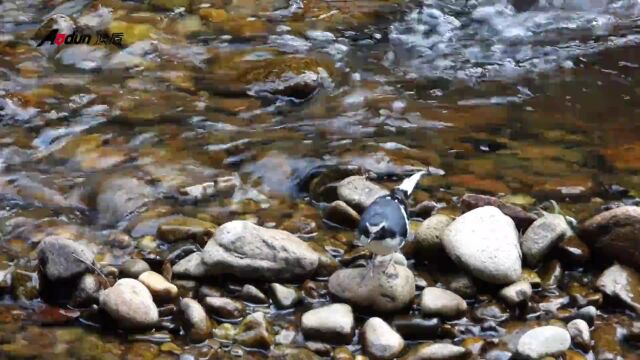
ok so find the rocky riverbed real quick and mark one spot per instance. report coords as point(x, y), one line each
point(193, 191)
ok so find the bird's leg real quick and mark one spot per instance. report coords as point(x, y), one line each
point(389, 262)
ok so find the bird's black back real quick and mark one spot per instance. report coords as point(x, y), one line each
point(389, 209)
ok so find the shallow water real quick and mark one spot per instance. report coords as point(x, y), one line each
point(537, 101)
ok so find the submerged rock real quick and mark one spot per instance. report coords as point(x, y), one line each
point(118, 197)
point(358, 192)
point(544, 341)
point(545, 233)
point(441, 302)
point(380, 290)
point(380, 340)
point(224, 308)
point(130, 303)
point(339, 213)
point(63, 259)
point(252, 252)
point(332, 323)
point(614, 234)
point(484, 241)
point(623, 283)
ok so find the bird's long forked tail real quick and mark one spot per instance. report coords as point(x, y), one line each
point(410, 183)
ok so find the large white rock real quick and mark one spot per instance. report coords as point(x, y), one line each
point(130, 303)
point(380, 340)
point(543, 341)
point(250, 251)
point(484, 241)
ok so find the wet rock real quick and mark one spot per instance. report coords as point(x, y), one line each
point(159, 287)
point(551, 274)
point(288, 353)
point(82, 56)
point(574, 252)
point(251, 294)
point(185, 229)
point(170, 4)
point(516, 293)
point(429, 235)
point(255, 332)
point(339, 213)
point(132, 268)
point(614, 234)
point(88, 291)
point(120, 196)
point(588, 314)
point(358, 192)
point(440, 302)
point(130, 303)
point(62, 259)
point(544, 234)
point(412, 328)
point(491, 311)
point(580, 335)
point(543, 341)
point(253, 252)
point(438, 351)
point(461, 284)
point(332, 323)
point(224, 308)
point(198, 324)
point(484, 241)
point(623, 283)
point(380, 290)
point(380, 341)
point(605, 342)
point(521, 218)
point(191, 266)
point(283, 296)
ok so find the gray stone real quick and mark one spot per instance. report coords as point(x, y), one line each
point(621, 282)
point(429, 235)
point(191, 266)
point(159, 287)
point(380, 341)
point(438, 351)
point(380, 290)
point(545, 233)
point(580, 335)
point(484, 241)
point(130, 303)
point(255, 332)
point(198, 324)
point(441, 302)
point(332, 323)
point(132, 268)
point(253, 252)
point(251, 294)
point(63, 259)
point(516, 293)
point(284, 297)
point(358, 192)
point(543, 341)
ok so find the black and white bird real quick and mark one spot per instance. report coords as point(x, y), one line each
point(384, 224)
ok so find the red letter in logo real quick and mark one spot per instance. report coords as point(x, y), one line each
point(60, 39)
